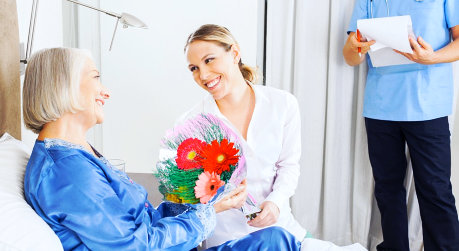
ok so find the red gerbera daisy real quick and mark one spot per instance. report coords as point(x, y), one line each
point(189, 154)
point(207, 186)
point(218, 157)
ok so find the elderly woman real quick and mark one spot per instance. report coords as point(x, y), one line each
point(89, 204)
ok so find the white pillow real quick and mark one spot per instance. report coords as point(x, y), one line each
point(20, 227)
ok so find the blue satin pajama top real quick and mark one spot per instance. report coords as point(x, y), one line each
point(91, 206)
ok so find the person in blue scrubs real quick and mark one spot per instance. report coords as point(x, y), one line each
point(88, 203)
point(409, 105)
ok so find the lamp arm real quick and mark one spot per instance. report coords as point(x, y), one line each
point(126, 19)
point(94, 8)
point(29, 49)
point(33, 18)
point(113, 37)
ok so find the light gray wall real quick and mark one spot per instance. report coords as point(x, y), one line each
point(149, 182)
point(147, 73)
point(48, 33)
point(146, 69)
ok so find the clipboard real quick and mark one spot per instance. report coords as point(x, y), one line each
point(389, 33)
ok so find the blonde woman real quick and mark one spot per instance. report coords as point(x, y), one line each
point(268, 123)
point(89, 204)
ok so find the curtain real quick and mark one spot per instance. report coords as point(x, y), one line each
point(334, 199)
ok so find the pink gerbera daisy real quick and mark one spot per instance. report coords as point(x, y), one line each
point(207, 186)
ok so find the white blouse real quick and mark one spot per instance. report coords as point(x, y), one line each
point(272, 151)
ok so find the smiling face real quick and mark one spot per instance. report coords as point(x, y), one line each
point(92, 95)
point(214, 69)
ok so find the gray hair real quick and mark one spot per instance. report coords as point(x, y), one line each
point(52, 85)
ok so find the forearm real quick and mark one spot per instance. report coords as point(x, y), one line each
point(183, 231)
point(172, 233)
point(284, 185)
point(447, 54)
point(173, 210)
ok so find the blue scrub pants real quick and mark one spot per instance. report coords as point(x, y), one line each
point(429, 146)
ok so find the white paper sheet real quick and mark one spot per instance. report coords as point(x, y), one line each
point(389, 33)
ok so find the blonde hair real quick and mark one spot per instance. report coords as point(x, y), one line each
point(223, 37)
point(52, 85)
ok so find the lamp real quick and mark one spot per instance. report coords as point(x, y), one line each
point(125, 18)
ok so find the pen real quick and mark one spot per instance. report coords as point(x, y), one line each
point(358, 40)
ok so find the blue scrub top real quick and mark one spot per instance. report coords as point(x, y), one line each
point(413, 92)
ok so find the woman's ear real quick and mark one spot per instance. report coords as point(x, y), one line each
point(236, 53)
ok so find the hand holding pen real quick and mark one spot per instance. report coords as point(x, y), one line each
point(355, 46)
point(361, 43)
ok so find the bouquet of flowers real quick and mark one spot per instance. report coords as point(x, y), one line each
point(201, 158)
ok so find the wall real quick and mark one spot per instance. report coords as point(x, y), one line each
point(48, 33)
point(146, 70)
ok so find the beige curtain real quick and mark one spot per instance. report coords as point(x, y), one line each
point(334, 199)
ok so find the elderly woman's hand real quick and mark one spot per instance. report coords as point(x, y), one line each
point(235, 199)
point(268, 215)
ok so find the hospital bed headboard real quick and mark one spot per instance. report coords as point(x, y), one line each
point(10, 86)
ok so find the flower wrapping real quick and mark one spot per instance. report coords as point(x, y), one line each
point(201, 160)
